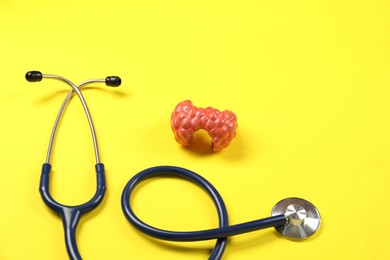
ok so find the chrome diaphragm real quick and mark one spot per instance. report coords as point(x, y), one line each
point(303, 218)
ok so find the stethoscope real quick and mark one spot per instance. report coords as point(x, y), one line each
point(71, 215)
point(294, 218)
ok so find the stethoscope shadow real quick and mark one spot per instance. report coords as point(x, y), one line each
point(93, 213)
point(253, 241)
point(119, 94)
point(204, 248)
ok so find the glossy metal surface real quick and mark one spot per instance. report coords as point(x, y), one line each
point(303, 218)
point(75, 88)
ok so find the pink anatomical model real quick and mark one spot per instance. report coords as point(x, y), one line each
point(186, 119)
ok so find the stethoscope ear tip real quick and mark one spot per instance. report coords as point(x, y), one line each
point(33, 76)
point(303, 218)
point(113, 81)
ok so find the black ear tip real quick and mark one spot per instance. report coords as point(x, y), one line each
point(33, 76)
point(113, 81)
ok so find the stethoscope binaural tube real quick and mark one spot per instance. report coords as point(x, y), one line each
point(282, 221)
point(71, 215)
point(111, 81)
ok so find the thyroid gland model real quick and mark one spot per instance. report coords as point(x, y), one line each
point(186, 119)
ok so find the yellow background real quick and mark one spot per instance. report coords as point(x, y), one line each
point(308, 81)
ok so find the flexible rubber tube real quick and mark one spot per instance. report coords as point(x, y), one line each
point(221, 233)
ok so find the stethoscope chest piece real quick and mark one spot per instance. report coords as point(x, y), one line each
point(303, 218)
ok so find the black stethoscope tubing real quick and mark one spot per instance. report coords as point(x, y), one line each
point(221, 233)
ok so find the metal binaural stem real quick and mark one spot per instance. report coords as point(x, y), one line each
point(75, 88)
point(71, 215)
